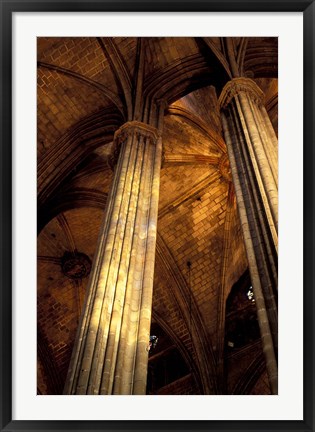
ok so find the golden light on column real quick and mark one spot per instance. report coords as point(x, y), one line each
point(110, 355)
point(253, 159)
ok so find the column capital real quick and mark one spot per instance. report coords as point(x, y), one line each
point(132, 128)
point(137, 128)
point(237, 86)
point(110, 355)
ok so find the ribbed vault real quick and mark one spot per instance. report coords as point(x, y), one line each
point(86, 91)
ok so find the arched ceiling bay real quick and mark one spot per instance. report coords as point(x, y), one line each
point(83, 56)
point(261, 57)
point(64, 101)
point(191, 227)
point(78, 113)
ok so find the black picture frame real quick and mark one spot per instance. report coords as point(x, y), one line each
point(7, 9)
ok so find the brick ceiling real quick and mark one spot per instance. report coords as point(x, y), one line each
point(198, 221)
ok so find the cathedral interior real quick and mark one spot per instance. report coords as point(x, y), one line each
point(157, 215)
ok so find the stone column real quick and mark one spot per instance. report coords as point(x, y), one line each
point(254, 166)
point(110, 354)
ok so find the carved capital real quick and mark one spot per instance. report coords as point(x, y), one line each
point(134, 129)
point(137, 129)
point(237, 86)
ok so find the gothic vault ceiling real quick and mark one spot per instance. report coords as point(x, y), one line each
point(82, 100)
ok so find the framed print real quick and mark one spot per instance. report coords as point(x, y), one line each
point(157, 215)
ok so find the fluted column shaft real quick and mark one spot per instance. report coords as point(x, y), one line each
point(110, 353)
point(254, 165)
